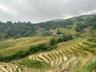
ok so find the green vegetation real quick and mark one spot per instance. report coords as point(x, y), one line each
point(31, 50)
point(54, 46)
point(37, 48)
point(25, 29)
point(61, 38)
point(42, 66)
point(90, 67)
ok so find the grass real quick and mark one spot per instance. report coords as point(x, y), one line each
point(13, 53)
point(14, 45)
point(67, 31)
point(38, 54)
point(21, 42)
point(77, 48)
point(90, 67)
point(74, 55)
point(35, 64)
point(7, 67)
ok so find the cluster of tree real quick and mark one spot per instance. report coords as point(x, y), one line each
point(23, 29)
point(18, 29)
point(60, 38)
point(84, 22)
point(80, 27)
point(55, 24)
point(94, 25)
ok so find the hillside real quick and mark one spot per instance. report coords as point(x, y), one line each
point(25, 29)
point(27, 47)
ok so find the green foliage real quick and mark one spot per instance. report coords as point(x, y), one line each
point(60, 38)
point(79, 27)
point(53, 41)
point(24, 29)
point(94, 33)
point(34, 63)
point(52, 44)
point(85, 21)
point(32, 50)
point(40, 47)
point(2, 36)
point(90, 67)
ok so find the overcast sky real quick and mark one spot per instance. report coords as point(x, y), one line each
point(42, 10)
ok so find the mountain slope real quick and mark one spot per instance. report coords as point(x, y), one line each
point(24, 29)
point(71, 49)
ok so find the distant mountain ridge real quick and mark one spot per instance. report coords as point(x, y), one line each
point(23, 29)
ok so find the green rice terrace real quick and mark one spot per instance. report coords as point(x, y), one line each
point(59, 46)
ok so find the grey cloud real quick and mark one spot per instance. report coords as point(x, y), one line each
point(42, 10)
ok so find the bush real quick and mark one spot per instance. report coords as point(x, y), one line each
point(60, 38)
point(53, 41)
point(22, 53)
point(39, 48)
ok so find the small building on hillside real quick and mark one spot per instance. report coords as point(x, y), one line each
point(56, 32)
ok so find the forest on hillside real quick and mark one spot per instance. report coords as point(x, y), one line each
point(23, 29)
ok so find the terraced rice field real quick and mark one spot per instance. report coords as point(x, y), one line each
point(7, 67)
point(11, 46)
point(78, 55)
point(70, 58)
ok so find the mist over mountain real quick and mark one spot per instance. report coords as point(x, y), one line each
point(43, 10)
